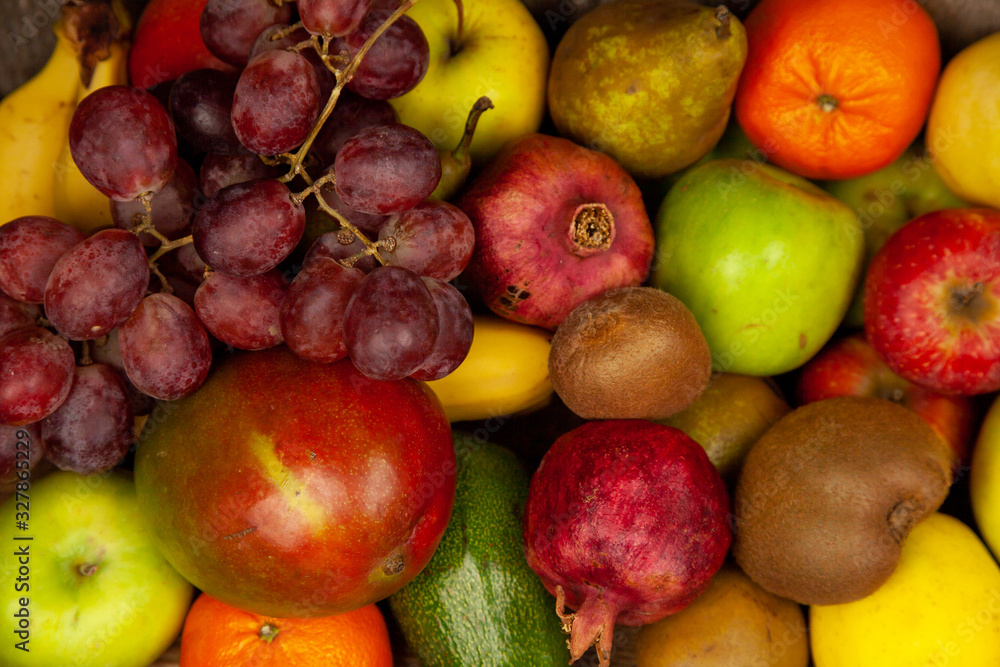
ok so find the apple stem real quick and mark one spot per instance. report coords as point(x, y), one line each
point(457, 44)
point(87, 569)
point(268, 632)
point(478, 107)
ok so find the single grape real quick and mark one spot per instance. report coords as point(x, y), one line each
point(185, 263)
point(277, 100)
point(107, 351)
point(248, 228)
point(242, 312)
point(312, 313)
point(123, 142)
point(92, 430)
point(173, 207)
point(97, 284)
point(386, 169)
point(352, 114)
point(230, 27)
point(165, 348)
point(434, 238)
point(220, 171)
point(21, 448)
point(201, 104)
point(331, 246)
point(29, 248)
point(390, 324)
point(454, 336)
point(332, 17)
point(16, 314)
point(36, 367)
point(327, 80)
point(396, 62)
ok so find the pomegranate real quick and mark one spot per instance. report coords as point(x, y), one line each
point(556, 224)
point(626, 521)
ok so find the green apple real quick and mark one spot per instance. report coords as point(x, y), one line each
point(765, 260)
point(84, 585)
point(886, 200)
point(496, 50)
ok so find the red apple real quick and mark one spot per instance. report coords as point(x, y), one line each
point(850, 367)
point(295, 489)
point(932, 301)
point(167, 43)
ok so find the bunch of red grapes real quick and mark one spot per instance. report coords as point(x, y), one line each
point(92, 329)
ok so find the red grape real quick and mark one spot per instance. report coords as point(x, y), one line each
point(434, 238)
point(277, 100)
point(173, 207)
point(201, 104)
point(29, 248)
point(16, 314)
point(326, 78)
point(92, 430)
point(37, 371)
point(97, 284)
point(390, 324)
point(386, 169)
point(109, 353)
point(123, 142)
point(312, 313)
point(248, 228)
point(221, 171)
point(396, 62)
point(21, 448)
point(332, 17)
point(352, 114)
point(455, 327)
point(185, 263)
point(242, 312)
point(165, 348)
point(230, 27)
point(329, 245)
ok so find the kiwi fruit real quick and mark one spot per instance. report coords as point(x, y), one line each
point(629, 353)
point(828, 495)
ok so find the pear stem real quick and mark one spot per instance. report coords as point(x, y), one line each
point(478, 107)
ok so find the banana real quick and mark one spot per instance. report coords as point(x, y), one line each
point(34, 123)
point(506, 372)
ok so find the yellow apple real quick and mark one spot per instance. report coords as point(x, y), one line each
point(501, 53)
point(963, 129)
point(940, 607)
point(984, 478)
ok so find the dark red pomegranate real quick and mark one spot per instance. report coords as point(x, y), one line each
point(627, 522)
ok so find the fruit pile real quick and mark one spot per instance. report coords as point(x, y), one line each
point(473, 332)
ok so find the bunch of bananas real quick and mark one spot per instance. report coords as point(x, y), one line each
point(37, 172)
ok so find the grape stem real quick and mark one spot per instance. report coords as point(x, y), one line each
point(314, 187)
point(84, 359)
point(285, 32)
point(370, 248)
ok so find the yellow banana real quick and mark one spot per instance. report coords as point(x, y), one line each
point(76, 201)
point(506, 372)
point(34, 122)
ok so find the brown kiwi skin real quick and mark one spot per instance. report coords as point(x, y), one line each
point(629, 353)
point(828, 495)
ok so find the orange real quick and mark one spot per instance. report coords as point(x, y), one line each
point(838, 88)
point(217, 635)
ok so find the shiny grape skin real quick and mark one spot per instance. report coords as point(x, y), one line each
point(328, 245)
point(165, 348)
point(109, 353)
point(123, 142)
point(242, 312)
point(386, 169)
point(434, 239)
point(92, 430)
point(312, 313)
point(29, 248)
point(34, 449)
point(391, 324)
point(332, 17)
point(37, 371)
point(455, 328)
point(352, 114)
point(201, 105)
point(277, 100)
point(97, 284)
point(396, 62)
point(16, 314)
point(248, 228)
point(220, 171)
point(230, 27)
point(172, 208)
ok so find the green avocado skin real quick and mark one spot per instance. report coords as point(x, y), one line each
point(477, 602)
